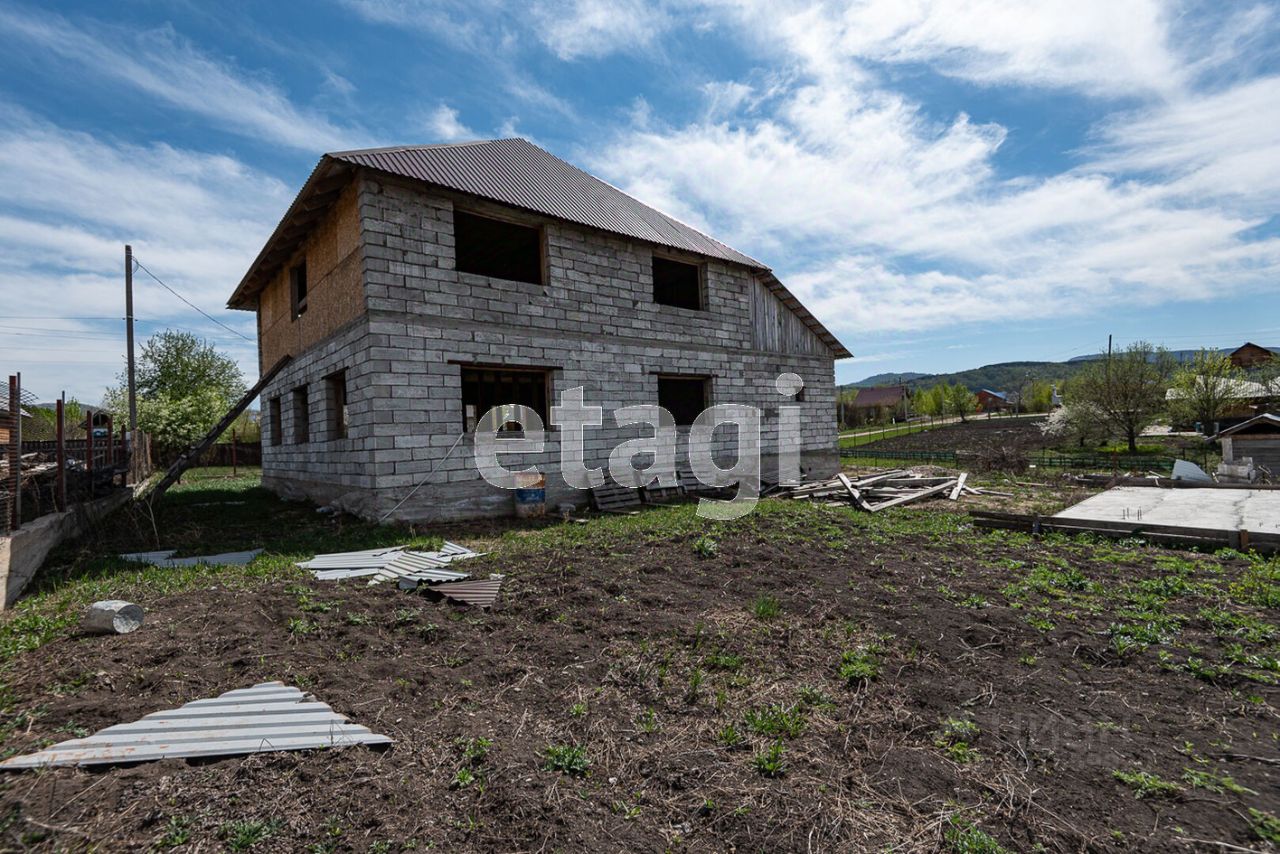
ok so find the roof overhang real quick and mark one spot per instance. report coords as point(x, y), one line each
point(315, 198)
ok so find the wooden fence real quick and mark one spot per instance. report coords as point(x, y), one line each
point(41, 477)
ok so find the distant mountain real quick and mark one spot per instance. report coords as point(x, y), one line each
point(1178, 355)
point(888, 379)
point(1003, 376)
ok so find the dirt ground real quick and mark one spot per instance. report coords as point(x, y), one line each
point(805, 679)
point(974, 436)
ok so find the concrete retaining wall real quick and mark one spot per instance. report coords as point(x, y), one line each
point(22, 552)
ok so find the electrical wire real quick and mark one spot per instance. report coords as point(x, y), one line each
point(142, 267)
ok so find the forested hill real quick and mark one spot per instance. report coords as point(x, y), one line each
point(1003, 376)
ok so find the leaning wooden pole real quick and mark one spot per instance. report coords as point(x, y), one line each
point(189, 457)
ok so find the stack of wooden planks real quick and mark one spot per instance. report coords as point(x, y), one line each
point(879, 491)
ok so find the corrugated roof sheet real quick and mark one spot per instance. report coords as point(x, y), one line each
point(517, 172)
point(267, 717)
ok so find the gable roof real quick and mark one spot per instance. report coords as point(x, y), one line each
point(884, 395)
point(512, 172)
point(1264, 423)
point(1000, 394)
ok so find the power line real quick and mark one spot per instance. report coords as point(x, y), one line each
point(143, 268)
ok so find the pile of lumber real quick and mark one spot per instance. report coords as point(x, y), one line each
point(880, 491)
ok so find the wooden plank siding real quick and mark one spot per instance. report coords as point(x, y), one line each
point(777, 329)
point(335, 288)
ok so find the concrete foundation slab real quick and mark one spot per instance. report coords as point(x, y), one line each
point(1226, 510)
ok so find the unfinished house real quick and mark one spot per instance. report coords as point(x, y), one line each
point(417, 287)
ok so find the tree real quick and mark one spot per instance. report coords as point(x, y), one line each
point(1036, 396)
point(960, 401)
point(1076, 423)
point(931, 401)
point(184, 387)
point(1127, 390)
point(1205, 389)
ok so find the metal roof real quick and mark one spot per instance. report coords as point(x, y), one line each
point(517, 172)
point(1264, 423)
point(512, 172)
point(269, 716)
point(885, 395)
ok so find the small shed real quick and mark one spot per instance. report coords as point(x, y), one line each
point(1257, 439)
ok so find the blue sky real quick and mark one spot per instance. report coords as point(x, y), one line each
point(945, 184)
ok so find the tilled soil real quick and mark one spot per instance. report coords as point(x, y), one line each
point(977, 435)
point(642, 649)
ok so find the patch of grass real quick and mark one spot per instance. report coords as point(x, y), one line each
point(1264, 825)
point(964, 837)
point(766, 608)
point(648, 721)
point(954, 739)
point(463, 778)
point(568, 759)
point(578, 710)
point(474, 750)
point(176, 832)
point(769, 762)
point(1147, 785)
point(1211, 782)
point(859, 666)
point(243, 834)
point(730, 737)
point(723, 661)
point(706, 547)
point(776, 721)
point(300, 626)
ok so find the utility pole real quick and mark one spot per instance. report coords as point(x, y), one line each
point(128, 326)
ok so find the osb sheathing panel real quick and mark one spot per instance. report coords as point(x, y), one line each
point(335, 293)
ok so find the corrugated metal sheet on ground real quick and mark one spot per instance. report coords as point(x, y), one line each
point(389, 565)
point(165, 559)
point(269, 716)
point(481, 593)
point(422, 566)
point(376, 558)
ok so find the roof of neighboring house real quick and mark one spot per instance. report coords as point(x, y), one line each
point(1000, 394)
point(1264, 423)
point(512, 172)
point(1237, 388)
point(885, 395)
point(1249, 344)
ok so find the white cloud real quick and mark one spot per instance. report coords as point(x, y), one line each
point(71, 202)
point(162, 65)
point(885, 219)
point(444, 125)
point(593, 28)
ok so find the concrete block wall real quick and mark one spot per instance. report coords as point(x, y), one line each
point(594, 324)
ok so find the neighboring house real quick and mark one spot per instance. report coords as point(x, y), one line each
point(880, 403)
point(1257, 439)
point(1254, 398)
point(417, 287)
point(992, 401)
point(1250, 355)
